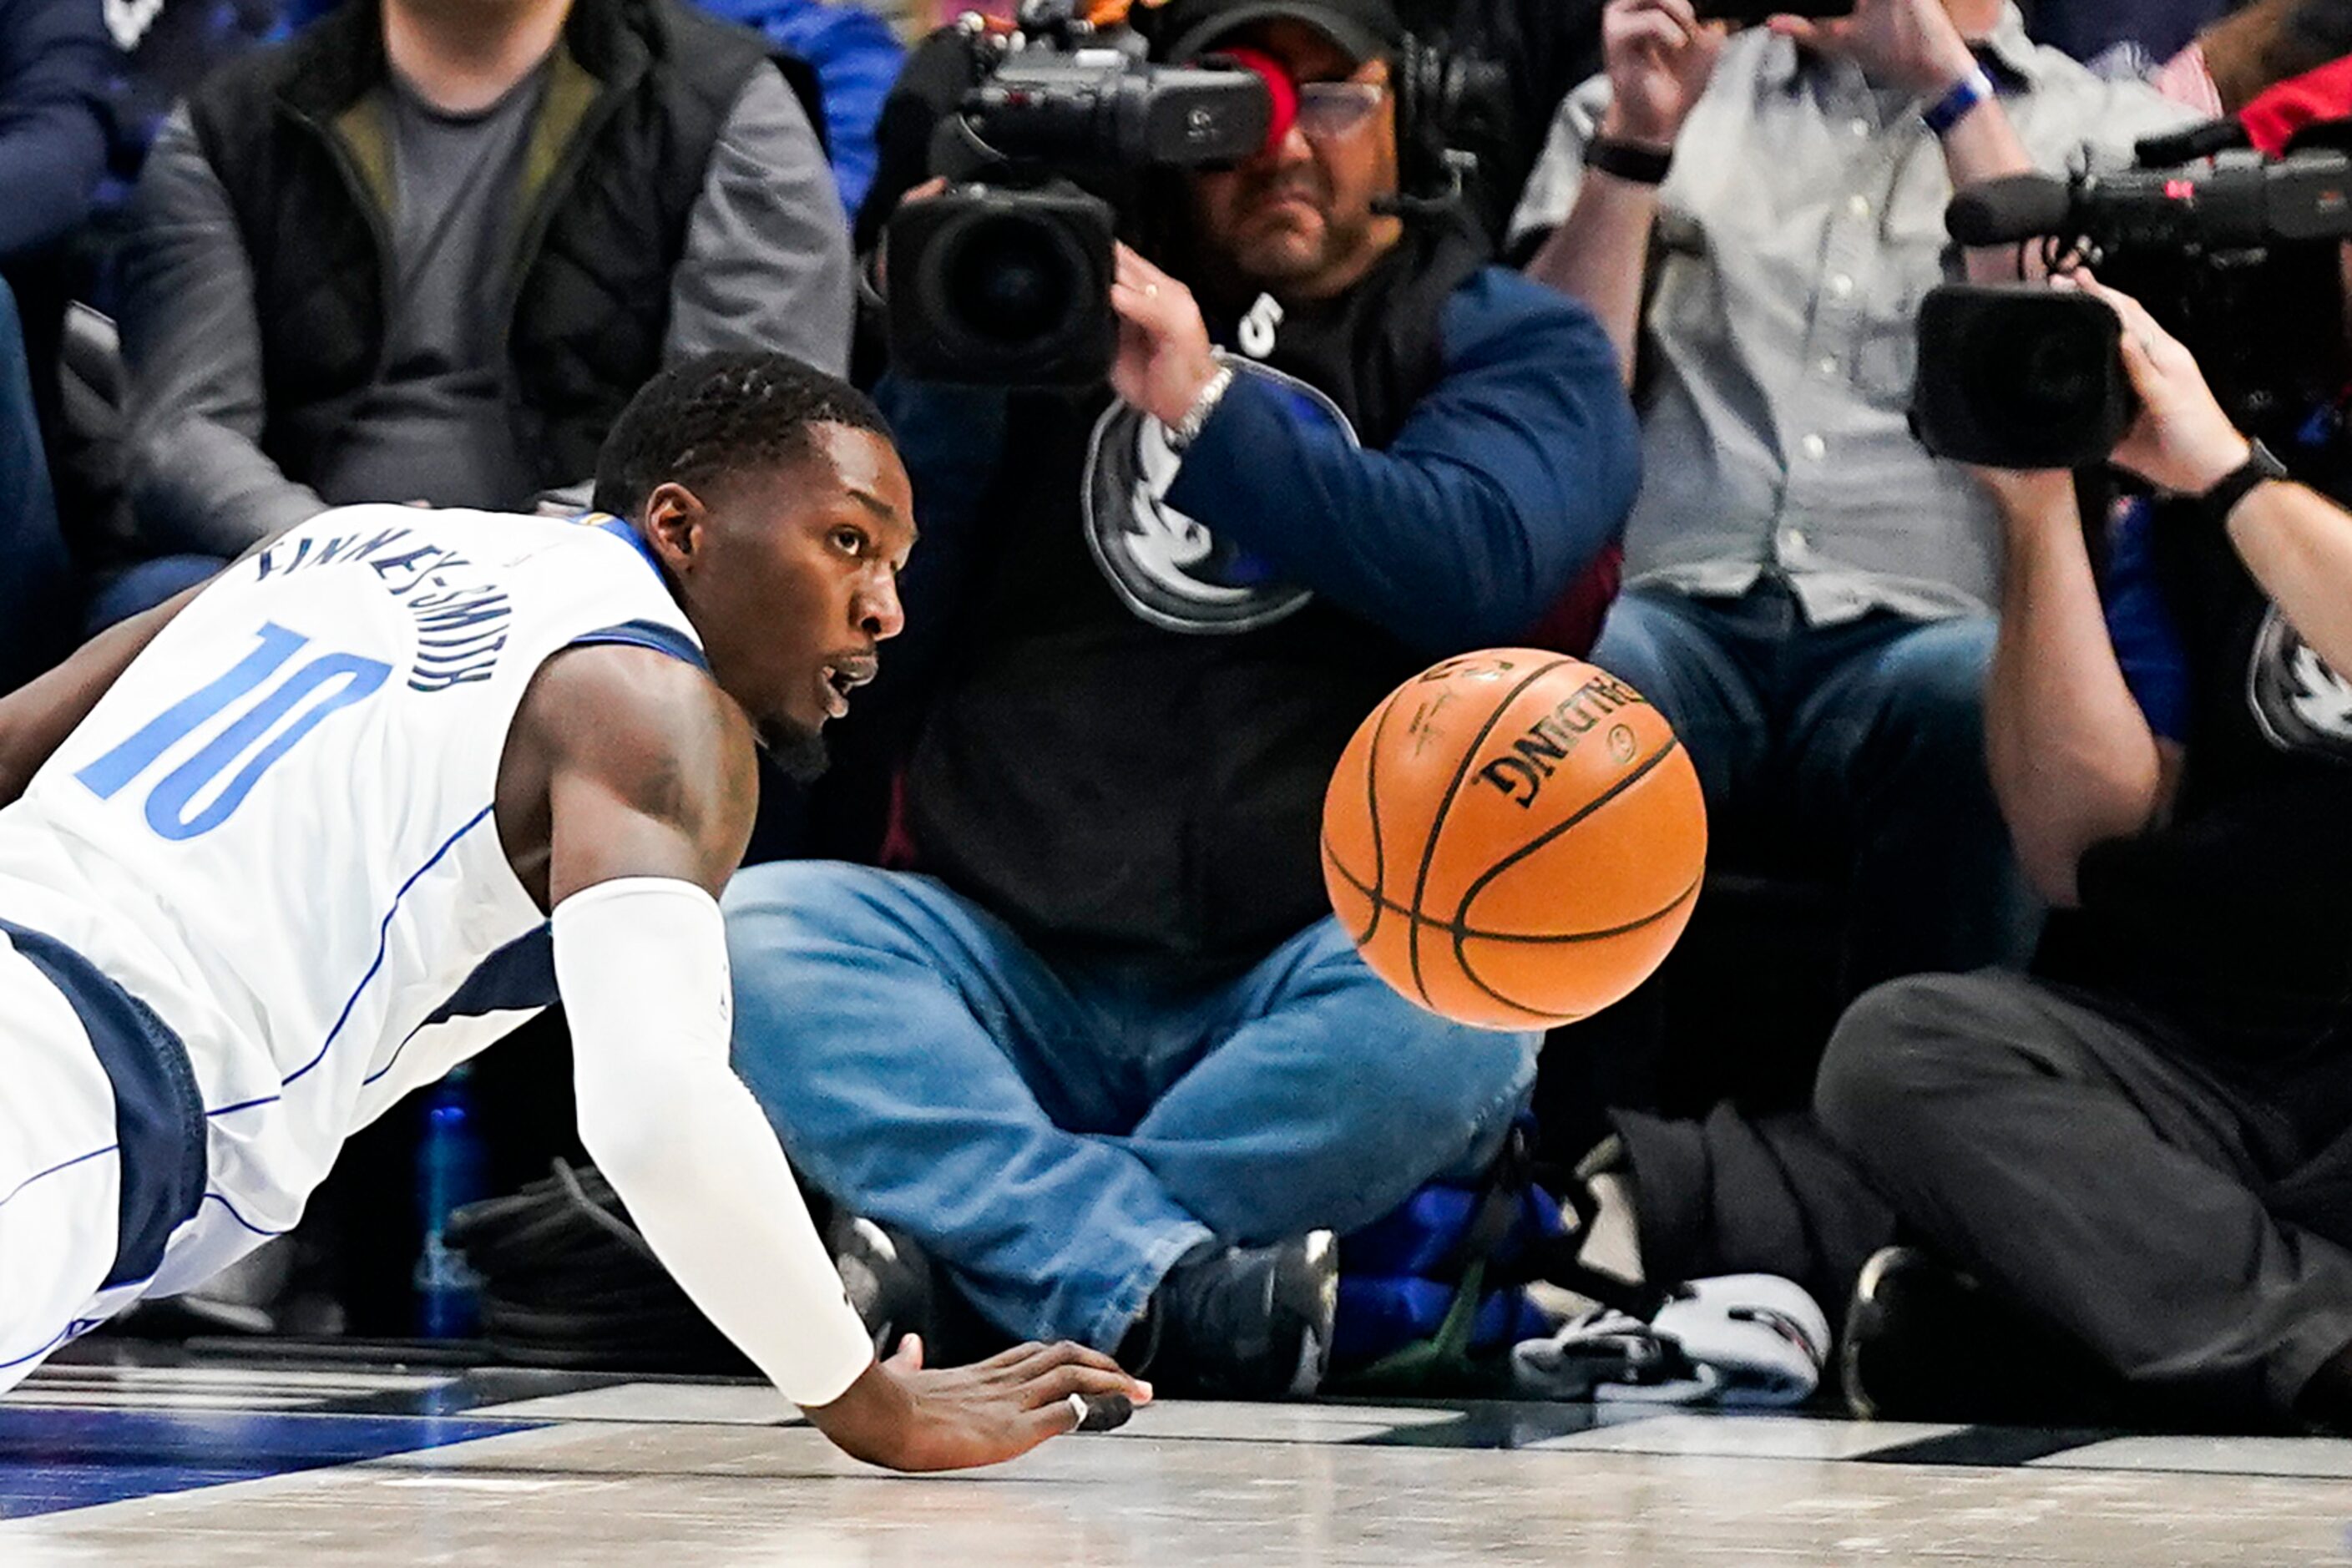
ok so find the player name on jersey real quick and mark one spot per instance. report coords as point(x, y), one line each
point(461, 620)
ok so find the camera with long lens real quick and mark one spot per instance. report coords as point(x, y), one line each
point(1005, 277)
point(2233, 253)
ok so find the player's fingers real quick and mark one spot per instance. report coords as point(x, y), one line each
point(1060, 1383)
point(909, 1356)
point(1035, 1360)
point(1081, 1413)
point(1012, 1356)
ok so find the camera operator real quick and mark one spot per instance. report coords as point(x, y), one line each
point(1145, 1070)
point(2147, 1143)
point(1809, 591)
point(2150, 1145)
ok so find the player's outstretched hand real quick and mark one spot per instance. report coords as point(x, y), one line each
point(903, 1417)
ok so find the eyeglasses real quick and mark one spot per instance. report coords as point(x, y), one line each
point(1330, 109)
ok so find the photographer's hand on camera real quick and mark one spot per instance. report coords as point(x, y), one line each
point(1165, 362)
point(2182, 441)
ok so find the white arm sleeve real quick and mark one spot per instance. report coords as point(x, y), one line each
point(642, 964)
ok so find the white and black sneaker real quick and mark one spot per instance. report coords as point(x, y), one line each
point(1249, 1322)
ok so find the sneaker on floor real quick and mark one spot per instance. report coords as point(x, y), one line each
point(1250, 1323)
point(1925, 1343)
point(888, 1278)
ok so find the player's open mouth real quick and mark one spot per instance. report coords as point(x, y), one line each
point(843, 676)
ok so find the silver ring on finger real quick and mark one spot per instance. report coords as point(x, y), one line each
point(1078, 1408)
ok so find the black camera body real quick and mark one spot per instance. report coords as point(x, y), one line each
point(2236, 256)
point(1005, 277)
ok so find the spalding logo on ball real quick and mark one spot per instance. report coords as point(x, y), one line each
point(1514, 838)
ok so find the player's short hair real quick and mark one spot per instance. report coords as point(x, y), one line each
point(719, 414)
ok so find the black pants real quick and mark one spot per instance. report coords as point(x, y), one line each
point(2192, 1227)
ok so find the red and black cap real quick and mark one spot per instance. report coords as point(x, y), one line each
point(1184, 30)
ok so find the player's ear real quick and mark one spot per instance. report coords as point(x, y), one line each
point(675, 526)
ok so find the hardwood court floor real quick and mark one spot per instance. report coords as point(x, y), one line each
point(216, 1465)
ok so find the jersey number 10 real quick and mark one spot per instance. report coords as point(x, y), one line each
point(253, 736)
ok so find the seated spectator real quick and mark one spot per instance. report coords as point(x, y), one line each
point(1109, 1059)
point(55, 57)
point(2147, 1144)
point(1808, 591)
point(35, 584)
point(429, 248)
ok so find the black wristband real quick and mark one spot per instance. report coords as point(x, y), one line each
point(1629, 160)
point(2217, 503)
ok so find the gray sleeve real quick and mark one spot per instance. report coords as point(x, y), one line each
point(193, 465)
point(1558, 173)
point(767, 262)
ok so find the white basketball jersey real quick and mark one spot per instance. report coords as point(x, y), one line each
point(276, 828)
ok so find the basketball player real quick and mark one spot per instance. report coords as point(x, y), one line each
point(396, 781)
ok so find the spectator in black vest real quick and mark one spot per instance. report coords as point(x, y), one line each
point(427, 250)
point(1111, 1060)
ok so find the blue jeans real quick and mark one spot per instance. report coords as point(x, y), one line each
point(37, 592)
point(1857, 748)
point(1060, 1133)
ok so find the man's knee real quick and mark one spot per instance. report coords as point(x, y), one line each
point(787, 908)
point(1936, 687)
point(1646, 643)
point(1899, 1048)
point(1427, 1071)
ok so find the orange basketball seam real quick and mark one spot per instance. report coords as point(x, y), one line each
point(1461, 958)
point(1461, 910)
point(1529, 939)
point(1372, 817)
point(1460, 923)
point(1445, 802)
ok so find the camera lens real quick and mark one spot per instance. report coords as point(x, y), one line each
point(1010, 280)
point(2059, 371)
point(2043, 374)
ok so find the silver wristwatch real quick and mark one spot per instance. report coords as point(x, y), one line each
point(1187, 430)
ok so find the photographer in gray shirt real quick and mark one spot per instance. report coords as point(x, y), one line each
point(1809, 591)
point(427, 250)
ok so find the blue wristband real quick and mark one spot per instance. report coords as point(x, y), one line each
point(1970, 90)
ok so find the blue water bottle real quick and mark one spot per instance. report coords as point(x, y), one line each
point(451, 1171)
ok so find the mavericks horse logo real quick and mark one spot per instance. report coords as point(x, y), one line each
point(1171, 570)
point(2301, 704)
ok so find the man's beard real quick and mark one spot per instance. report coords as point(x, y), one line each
point(798, 752)
point(1270, 261)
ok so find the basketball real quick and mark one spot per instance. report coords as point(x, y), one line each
point(1514, 838)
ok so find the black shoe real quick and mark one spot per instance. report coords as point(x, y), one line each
point(1925, 1343)
point(888, 1278)
point(1250, 1323)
